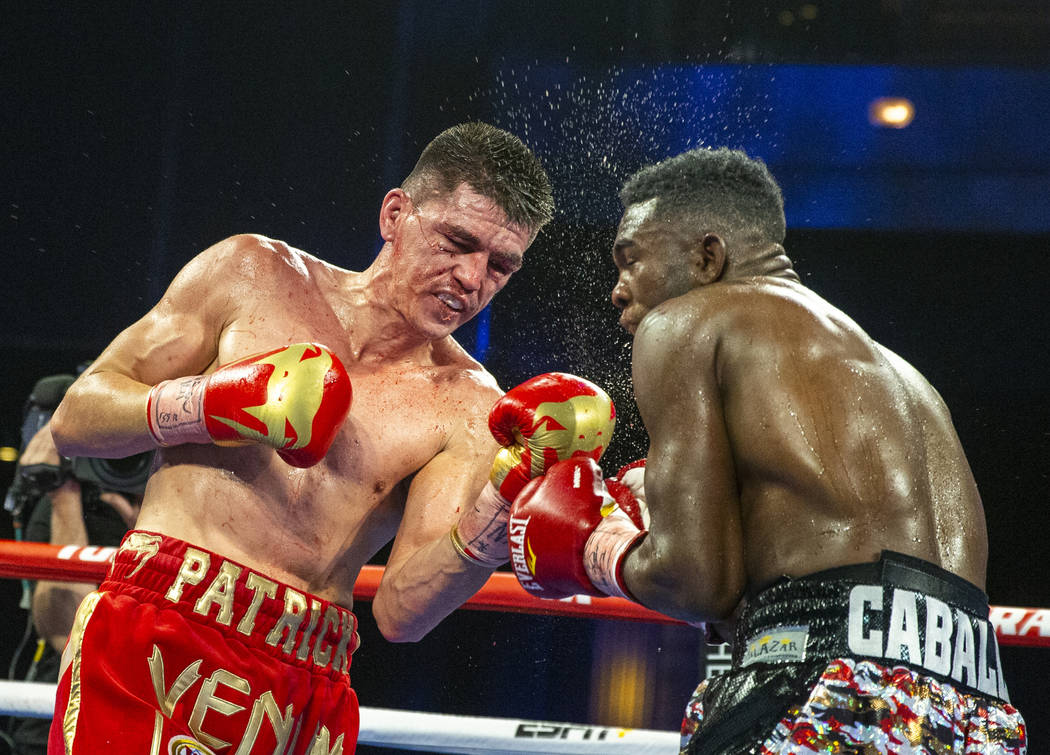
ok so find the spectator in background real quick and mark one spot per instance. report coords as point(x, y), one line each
point(61, 509)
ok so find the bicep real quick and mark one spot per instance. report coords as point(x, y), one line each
point(425, 578)
point(689, 459)
point(690, 479)
point(102, 412)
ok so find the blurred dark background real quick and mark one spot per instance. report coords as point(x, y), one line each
point(137, 134)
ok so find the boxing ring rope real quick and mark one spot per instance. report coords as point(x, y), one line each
point(72, 563)
point(1027, 627)
point(435, 732)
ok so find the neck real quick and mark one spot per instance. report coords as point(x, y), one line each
point(771, 261)
point(377, 331)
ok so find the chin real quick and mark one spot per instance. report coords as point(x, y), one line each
point(438, 329)
point(438, 323)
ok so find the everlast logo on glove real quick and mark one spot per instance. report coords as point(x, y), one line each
point(524, 566)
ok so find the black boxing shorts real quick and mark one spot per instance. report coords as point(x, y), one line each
point(893, 656)
point(183, 652)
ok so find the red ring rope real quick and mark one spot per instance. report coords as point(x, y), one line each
point(1027, 627)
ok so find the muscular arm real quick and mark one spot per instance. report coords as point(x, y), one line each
point(425, 578)
point(55, 603)
point(691, 564)
point(103, 413)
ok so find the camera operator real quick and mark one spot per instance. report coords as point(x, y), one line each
point(63, 502)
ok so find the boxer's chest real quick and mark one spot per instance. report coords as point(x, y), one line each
point(402, 412)
point(398, 421)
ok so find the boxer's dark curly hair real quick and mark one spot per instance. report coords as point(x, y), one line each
point(720, 190)
point(495, 163)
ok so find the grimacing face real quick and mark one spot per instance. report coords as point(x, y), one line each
point(652, 264)
point(453, 253)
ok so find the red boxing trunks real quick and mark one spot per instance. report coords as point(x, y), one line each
point(895, 656)
point(183, 652)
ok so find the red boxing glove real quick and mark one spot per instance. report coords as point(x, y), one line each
point(627, 487)
point(567, 536)
point(293, 398)
point(550, 522)
point(544, 420)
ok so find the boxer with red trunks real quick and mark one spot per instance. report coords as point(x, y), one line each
point(803, 483)
point(267, 669)
point(227, 617)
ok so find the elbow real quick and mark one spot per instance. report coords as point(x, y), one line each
point(684, 587)
point(62, 431)
point(393, 628)
point(393, 632)
point(66, 433)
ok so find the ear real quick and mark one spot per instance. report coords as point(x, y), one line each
point(709, 259)
point(395, 204)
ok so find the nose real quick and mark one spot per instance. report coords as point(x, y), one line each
point(470, 269)
point(620, 295)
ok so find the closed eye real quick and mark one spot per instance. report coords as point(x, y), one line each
point(623, 254)
point(504, 264)
point(450, 247)
point(438, 241)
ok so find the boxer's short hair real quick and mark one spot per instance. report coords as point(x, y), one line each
point(495, 163)
point(720, 190)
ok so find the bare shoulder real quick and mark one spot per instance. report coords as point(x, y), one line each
point(675, 349)
point(458, 372)
point(461, 393)
point(729, 327)
point(912, 377)
point(251, 255)
point(756, 310)
point(695, 320)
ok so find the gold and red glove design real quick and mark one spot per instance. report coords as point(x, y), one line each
point(545, 419)
point(293, 398)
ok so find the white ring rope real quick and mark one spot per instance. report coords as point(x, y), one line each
point(430, 732)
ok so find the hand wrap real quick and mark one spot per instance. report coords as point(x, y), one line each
point(547, 418)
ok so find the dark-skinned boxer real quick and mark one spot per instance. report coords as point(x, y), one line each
point(802, 482)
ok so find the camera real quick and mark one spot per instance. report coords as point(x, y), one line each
point(127, 475)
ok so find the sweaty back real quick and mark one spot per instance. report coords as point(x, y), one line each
point(842, 449)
